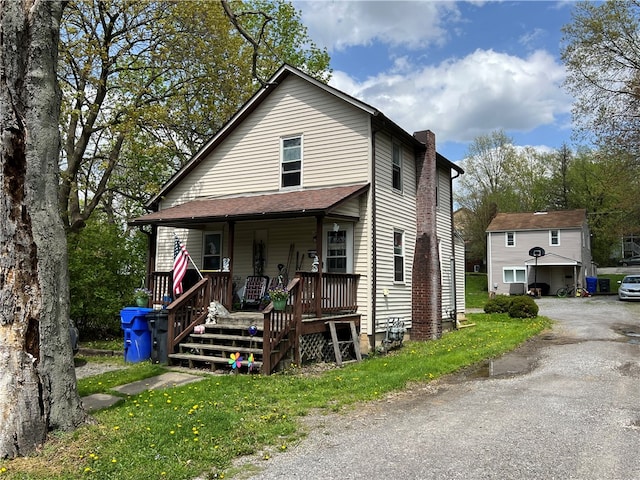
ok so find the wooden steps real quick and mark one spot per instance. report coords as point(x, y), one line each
point(213, 348)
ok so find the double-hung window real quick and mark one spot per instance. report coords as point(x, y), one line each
point(212, 251)
point(554, 237)
point(510, 239)
point(397, 167)
point(291, 172)
point(398, 256)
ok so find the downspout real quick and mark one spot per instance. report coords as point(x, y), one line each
point(374, 253)
point(454, 273)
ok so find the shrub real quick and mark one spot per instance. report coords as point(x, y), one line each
point(498, 304)
point(523, 307)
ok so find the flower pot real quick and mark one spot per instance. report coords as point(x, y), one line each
point(279, 304)
point(142, 302)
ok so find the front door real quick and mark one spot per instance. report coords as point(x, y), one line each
point(338, 248)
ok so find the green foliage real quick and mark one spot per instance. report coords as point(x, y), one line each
point(145, 84)
point(105, 265)
point(601, 51)
point(523, 306)
point(498, 304)
point(208, 424)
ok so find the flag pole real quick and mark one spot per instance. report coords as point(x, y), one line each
point(188, 255)
point(194, 265)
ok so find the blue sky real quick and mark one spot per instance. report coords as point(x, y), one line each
point(460, 69)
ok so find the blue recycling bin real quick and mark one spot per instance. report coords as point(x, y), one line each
point(137, 335)
point(592, 284)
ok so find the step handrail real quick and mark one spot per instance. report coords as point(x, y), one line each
point(281, 331)
point(187, 311)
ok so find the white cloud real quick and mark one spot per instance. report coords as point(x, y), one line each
point(340, 24)
point(462, 98)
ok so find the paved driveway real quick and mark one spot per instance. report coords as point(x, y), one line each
point(567, 409)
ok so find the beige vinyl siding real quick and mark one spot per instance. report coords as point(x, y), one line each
point(335, 140)
point(394, 212)
point(444, 229)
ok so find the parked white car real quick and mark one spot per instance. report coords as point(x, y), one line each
point(629, 288)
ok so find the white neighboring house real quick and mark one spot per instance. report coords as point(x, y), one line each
point(551, 249)
point(303, 169)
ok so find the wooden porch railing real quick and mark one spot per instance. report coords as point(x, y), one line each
point(162, 287)
point(339, 293)
point(189, 310)
point(281, 333)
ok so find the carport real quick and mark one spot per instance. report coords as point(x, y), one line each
point(553, 271)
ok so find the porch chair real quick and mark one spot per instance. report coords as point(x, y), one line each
point(254, 290)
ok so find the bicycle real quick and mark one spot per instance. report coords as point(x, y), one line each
point(572, 291)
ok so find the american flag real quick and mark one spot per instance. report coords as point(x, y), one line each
point(180, 261)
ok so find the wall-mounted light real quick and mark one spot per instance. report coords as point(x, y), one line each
point(385, 292)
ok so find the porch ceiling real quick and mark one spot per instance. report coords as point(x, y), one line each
point(304, 203)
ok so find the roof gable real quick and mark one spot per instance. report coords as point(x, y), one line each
point(562, 219)
point(250, 106)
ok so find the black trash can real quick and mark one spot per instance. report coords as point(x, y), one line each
point(604, 285)
point(159, 323)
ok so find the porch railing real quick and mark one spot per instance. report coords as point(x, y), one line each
point(162, 287)
point(282, 329)
point(189, 310)
point(338, 293)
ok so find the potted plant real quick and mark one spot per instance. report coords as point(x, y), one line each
point(278, 295)
point(142, 296)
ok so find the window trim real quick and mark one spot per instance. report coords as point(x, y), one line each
point(513, 271)
point(396, 147)
point(506, 239)
point(557, 237)
point(402, 256)
point(283, 139)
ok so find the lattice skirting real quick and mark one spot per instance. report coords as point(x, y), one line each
point(312, 347)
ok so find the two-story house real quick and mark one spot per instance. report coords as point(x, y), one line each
point(551, 249)
point(309, 180)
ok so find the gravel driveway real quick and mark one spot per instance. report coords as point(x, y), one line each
point(564, 406)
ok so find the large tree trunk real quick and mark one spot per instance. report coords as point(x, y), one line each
point(37, 384)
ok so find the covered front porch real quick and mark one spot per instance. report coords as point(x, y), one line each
point(306, 240)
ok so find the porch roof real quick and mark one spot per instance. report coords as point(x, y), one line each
point(303, 203)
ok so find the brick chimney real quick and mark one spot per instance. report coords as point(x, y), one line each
point(426, 295)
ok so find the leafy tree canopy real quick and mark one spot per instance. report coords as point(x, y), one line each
point(601, 49)
point(146, 83)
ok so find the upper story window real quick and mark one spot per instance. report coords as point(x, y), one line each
point(510, 239)
point(291, 174)
point(397, 167)
point(554, 237)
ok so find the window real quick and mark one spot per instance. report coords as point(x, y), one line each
point(291, 162)
point(554, 237)
point(514, 275)
point(397, 167)
point(211, 258)
point(510, 239)
point(398, 256)
point(337, 251)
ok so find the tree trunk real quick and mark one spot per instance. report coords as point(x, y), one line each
point(38, 385)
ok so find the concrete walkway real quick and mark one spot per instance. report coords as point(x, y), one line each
point(98, 401)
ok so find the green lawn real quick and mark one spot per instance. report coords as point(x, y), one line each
point(476, 293)
point(200, 428)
